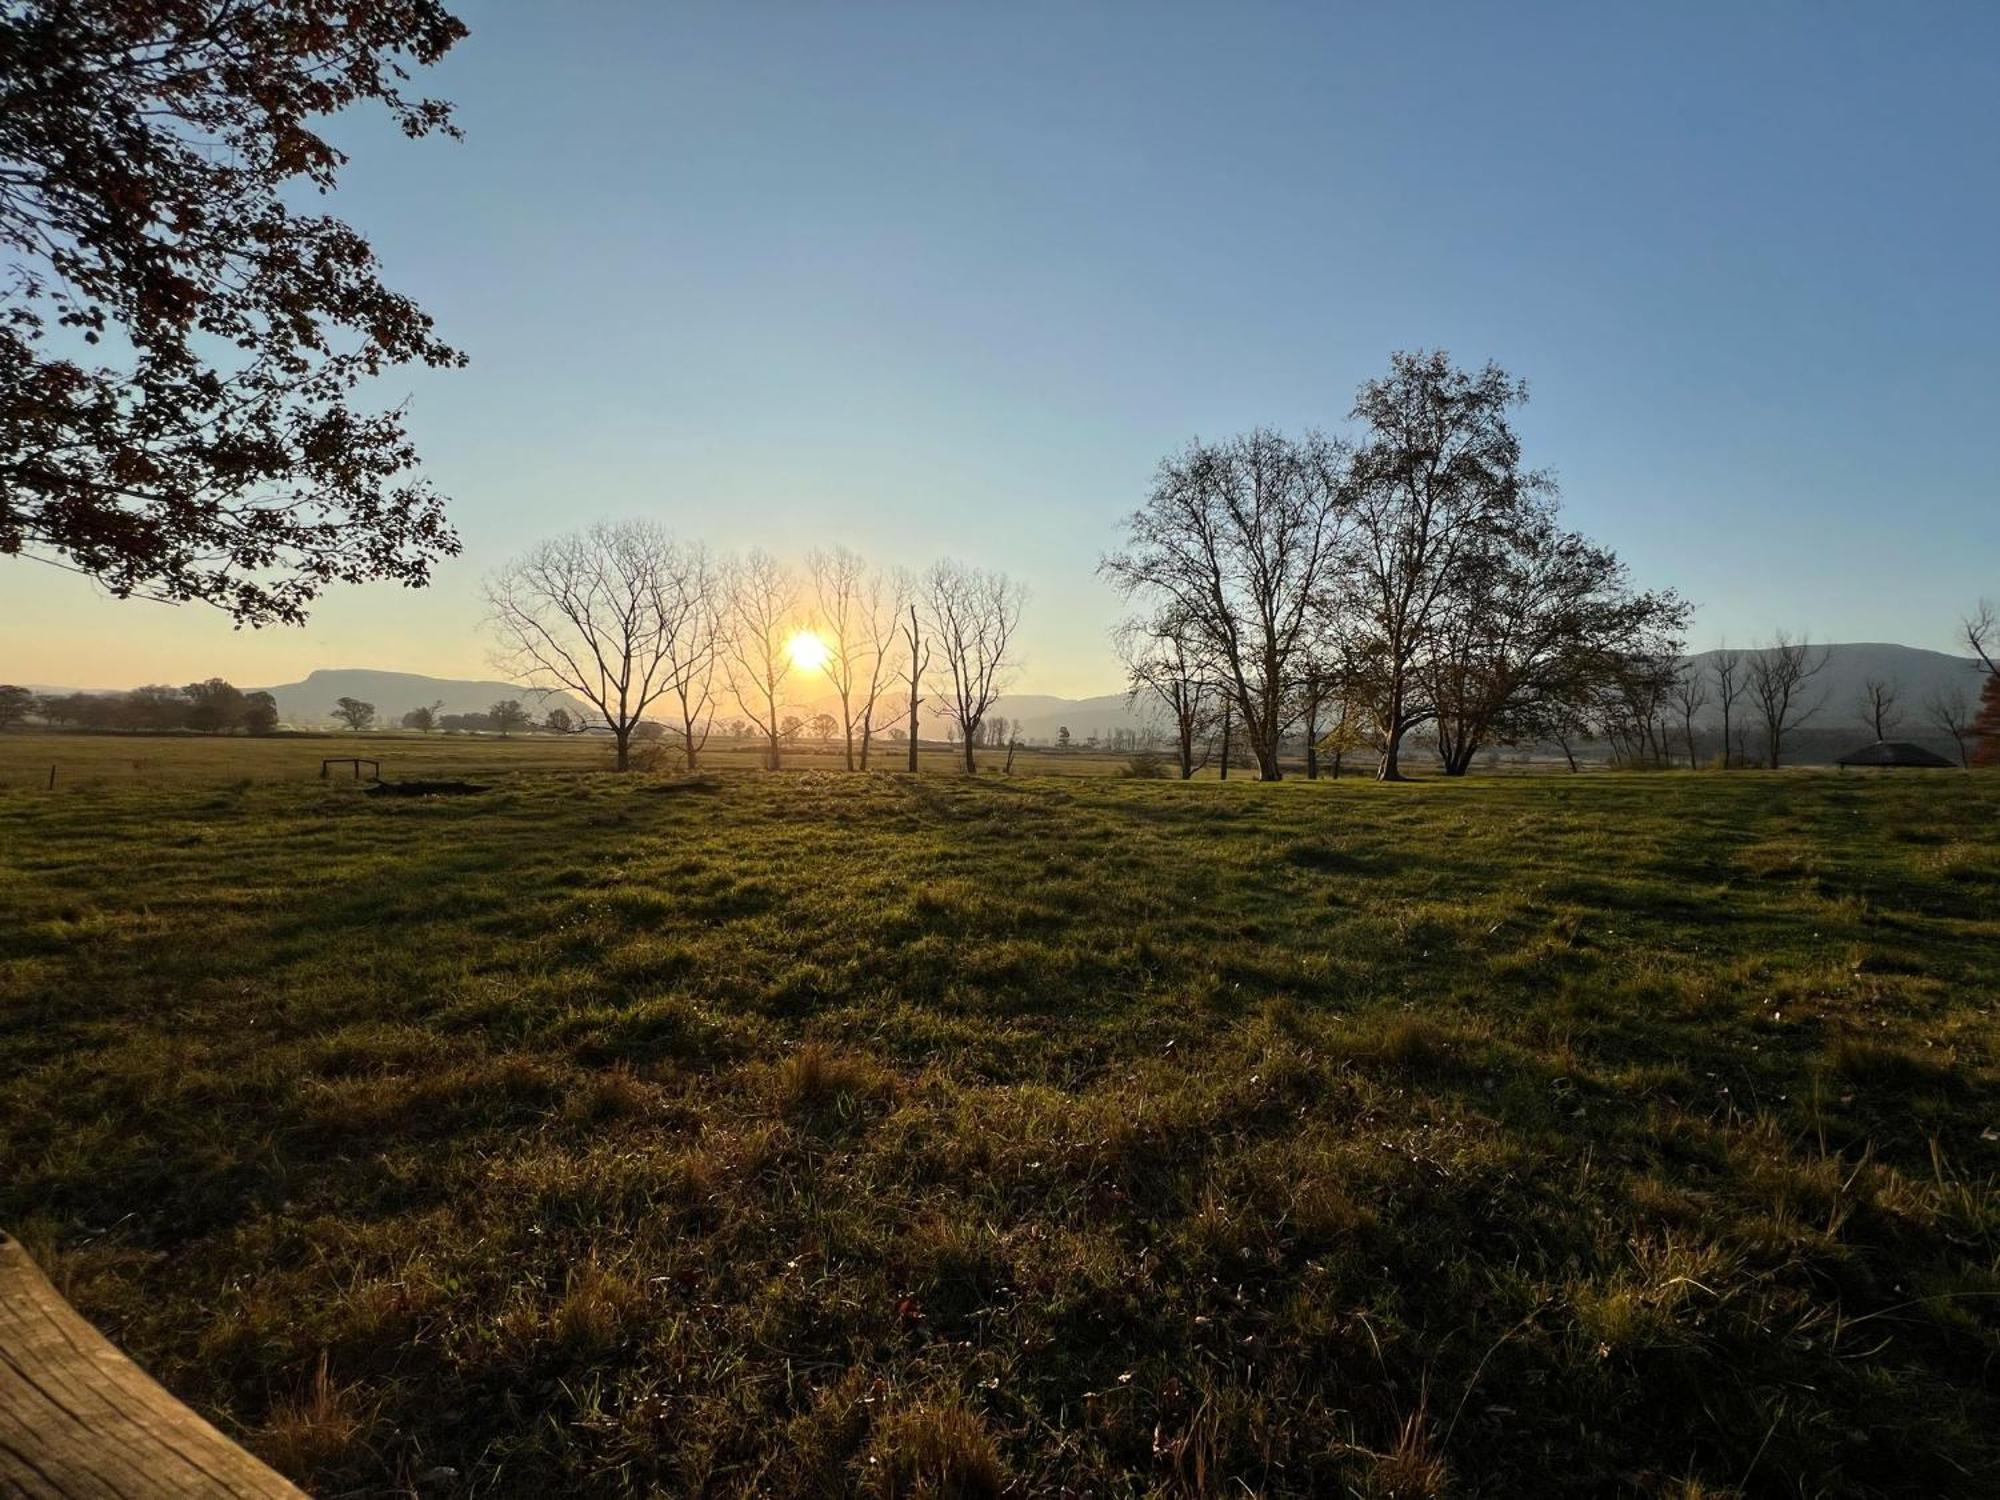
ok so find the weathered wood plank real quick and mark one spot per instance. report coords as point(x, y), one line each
point(80, 1421)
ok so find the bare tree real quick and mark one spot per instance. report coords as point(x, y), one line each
point(973, 615)
point(1951, 711)
point(915, 673)
point(508, 715)
point(1162, 659)
point(1781, 677)
point(1982, 634)
point(1732, 685)
point(424, 719)
point(1240, 540)
point(589, 612)
point(1879, 696)
point(1438, 476)
point(763, 609)
point(696, 593)
point(856, 610)
point(1689, 696)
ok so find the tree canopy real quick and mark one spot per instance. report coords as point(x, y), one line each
point(179, 346)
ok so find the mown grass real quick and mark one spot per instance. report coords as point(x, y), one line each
point(815, 1135)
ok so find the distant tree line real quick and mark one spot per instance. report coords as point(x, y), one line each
point(649, 629)
point(211, 707)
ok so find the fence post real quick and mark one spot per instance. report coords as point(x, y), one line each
point(52, 778)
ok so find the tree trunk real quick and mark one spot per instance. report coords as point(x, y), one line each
point(1312, 742)
point(1392, 748)
point(623, 738)
point(1224, 776)
point(1187, 748)
point(971, 733)
point(847, 727)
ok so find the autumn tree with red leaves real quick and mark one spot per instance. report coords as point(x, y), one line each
point(179, 345)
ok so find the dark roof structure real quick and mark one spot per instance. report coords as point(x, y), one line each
point(1896, 753)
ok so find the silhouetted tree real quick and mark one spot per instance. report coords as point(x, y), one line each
point(151, 154)
point(855, 613)
point(1781, 676)
point(560, 721)
point(1879, 696)
point(354, 713)
point(973, 614)
point(260, 713)
point(1162, 661)
point(1951, 711)
point(424, 719)
point(1437, 478)
point(763, 607)
point(15, 701)
point(1689, 696)
point(594, 612)
point(1238, 542)
point(1986, 726)
point(214, 706)
point(1732, 684)
point(508, 715)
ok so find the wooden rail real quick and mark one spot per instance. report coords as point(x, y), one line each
point(80, 1421)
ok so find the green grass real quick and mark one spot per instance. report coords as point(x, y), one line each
point(814, 1134)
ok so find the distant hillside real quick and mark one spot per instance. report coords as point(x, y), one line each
point(1918, 675)
point(394, 694)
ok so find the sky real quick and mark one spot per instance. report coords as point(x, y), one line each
point(943, 279)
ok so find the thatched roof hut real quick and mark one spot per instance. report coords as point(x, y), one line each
point(1896, 753)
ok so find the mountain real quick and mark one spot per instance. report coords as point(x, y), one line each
point(308, 703)
point(1917, 676)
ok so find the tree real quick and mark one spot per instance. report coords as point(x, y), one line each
point(1689, 696)
point(1436, 480)
point(1537, 619)
point(855, 614)
point(1986, 726)
point(155, 706)
point(973, 616)
point(508, 715)
point(560, 721)
point(1879, 696)
point(825, 727)
point(205, 447)
point(1162, 661)
point(1239, 540)
point(791, 728)
point(911, 626)
point(1951, 712)
point(355, 714)
point(763, 604)
point(1982, 634)
point(1732, 684)
point(425, 718)
point(1781, 677)
point(260, 713)
point(15, 701)
point(594, 613)
point(214, 706)
point(700, 602)
point(1062, 736)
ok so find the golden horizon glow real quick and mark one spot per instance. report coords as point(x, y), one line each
point(808, 650)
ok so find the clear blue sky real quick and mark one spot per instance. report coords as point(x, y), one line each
point(937, 278)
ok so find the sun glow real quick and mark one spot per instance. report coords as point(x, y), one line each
point(808, 651)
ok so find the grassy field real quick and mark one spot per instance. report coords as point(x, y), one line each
point(812, 1134)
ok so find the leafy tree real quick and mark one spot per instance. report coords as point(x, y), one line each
point(559, 721)
point(154, 706)
point(1986, 727)
point(790, 728)
point(825, 727)
point(214, 706)
point(1436, 480)
point(180, 344)
point(14, 704)
point(355, 714)
point(508, 715)
point(1062, 736)
point(260, 713)
point(423, 719)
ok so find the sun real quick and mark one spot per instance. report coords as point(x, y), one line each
point(808, 651)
